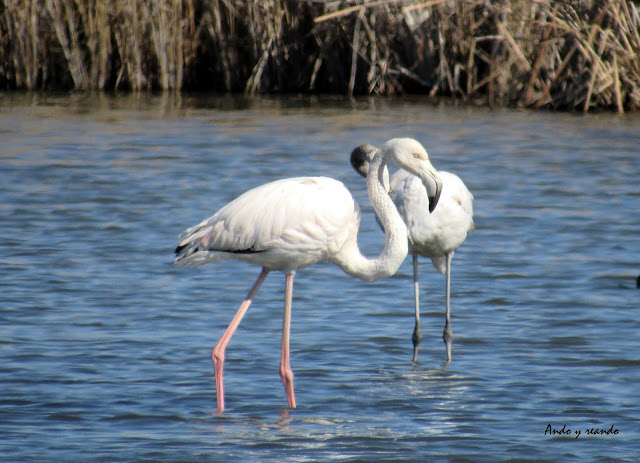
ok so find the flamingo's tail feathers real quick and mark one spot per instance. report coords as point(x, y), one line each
point(190, 254)
point(191, 249)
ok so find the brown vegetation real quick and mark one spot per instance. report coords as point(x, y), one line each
point(576, 54)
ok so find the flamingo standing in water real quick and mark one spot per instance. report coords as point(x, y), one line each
point(290, 224)
point(435, 235)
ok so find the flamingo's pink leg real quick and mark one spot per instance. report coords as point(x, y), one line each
point(217, 354)
point(285, 368)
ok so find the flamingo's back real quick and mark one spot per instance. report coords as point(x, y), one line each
point(285, 225)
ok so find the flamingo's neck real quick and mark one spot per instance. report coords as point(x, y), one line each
point(351, 260)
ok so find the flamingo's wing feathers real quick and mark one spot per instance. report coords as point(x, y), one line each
point(306, 215)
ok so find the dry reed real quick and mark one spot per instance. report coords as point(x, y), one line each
point(576, 54)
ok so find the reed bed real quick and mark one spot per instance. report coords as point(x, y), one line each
point(576, 54)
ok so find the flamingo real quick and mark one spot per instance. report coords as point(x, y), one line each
point(435, 235)
point(293, 223)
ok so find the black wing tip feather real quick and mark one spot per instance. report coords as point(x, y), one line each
point(186, 250)
point(247, 251)
point(183, 250)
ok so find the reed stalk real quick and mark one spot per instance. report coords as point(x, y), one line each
point(574, 54)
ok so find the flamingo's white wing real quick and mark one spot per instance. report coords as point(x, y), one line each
point(285, 225)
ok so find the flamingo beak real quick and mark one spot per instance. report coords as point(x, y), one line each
point(433, 184)
point(361, 156)
point(433, 200)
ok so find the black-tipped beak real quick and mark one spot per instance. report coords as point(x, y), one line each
point(433, 200)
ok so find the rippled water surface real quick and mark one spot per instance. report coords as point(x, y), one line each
point(105, 344)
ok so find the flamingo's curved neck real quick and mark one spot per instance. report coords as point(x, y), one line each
point(351, 260)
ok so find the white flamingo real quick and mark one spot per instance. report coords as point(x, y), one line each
point(290, 224)
point(435, 235)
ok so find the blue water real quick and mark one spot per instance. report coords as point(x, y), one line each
point(105, 344)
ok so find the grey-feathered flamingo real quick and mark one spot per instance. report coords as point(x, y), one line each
point(436, 235)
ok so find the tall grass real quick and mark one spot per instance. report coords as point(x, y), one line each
point(575, 54)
